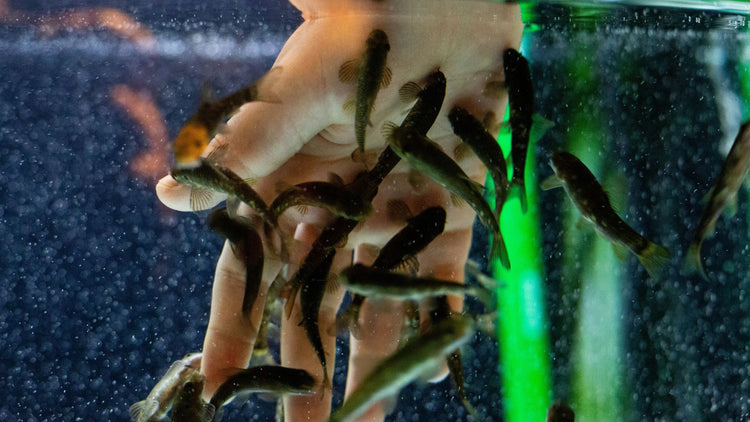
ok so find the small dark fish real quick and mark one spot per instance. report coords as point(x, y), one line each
point(195, 135)
point(189, 406)
point(485, 146)
point(263, 379)
point(723, 194)
point(247, 247)
point(591, 200)
point(208, 175)
point(371, 74)
point(418, 356)
point(521, 103)
point(333, 197)
point(401, 249)
point(560, 412)
point(162, 396)
point(420, 230)
point(336, 233)
point(422, 115)
point(377, 283)
point(311, 296)
point(426, 156)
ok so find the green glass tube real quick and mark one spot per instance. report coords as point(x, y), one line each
point(522, 324)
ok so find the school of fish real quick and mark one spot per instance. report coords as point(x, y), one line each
point(393, 274)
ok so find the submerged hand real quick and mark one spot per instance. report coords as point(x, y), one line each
point(306, 133)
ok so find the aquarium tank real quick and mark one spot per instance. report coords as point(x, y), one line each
point(102, 287)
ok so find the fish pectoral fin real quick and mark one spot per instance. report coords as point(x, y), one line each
point(349, 70)
point(417, 180)
point(218, 153)
point(409, 92)
point(461, 151)
point(350, 105)
point(389, 404)
point(137, 409)
point(410, 263)
point(491, 123)
point(199, 198)
point(551, 182)
point(495, 90)
point(457, 201)
point(539, 127)
point(584, 224)
point(206, 412)
point(620, 250)
point(398, 210)
point(731, 208)
point(387, 129)
point(332, 284)
point(386, 79)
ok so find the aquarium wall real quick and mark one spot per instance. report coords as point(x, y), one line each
point(102, 287)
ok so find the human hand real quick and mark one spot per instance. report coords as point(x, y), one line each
point(306, 133)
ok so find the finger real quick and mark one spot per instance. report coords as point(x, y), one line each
point(384, 319)
point(445, 259)
point(230, 335)
point(381, 322)
point(307, 98)
point(297, 351)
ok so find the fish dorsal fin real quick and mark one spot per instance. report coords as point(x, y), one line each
point(386, 80)
point(302, 209)
point(409, 92)
point(208, 95)
point(417, 180)
point(398, 210)
point(495, 90)
point(335, 179)
point(349, 70)
point(551, 182)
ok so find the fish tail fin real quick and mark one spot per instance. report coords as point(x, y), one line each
point(486, 296)
point(692, 262)
point(218, 414)
point(499, 250)
point(517, 184)
point(654, 258)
